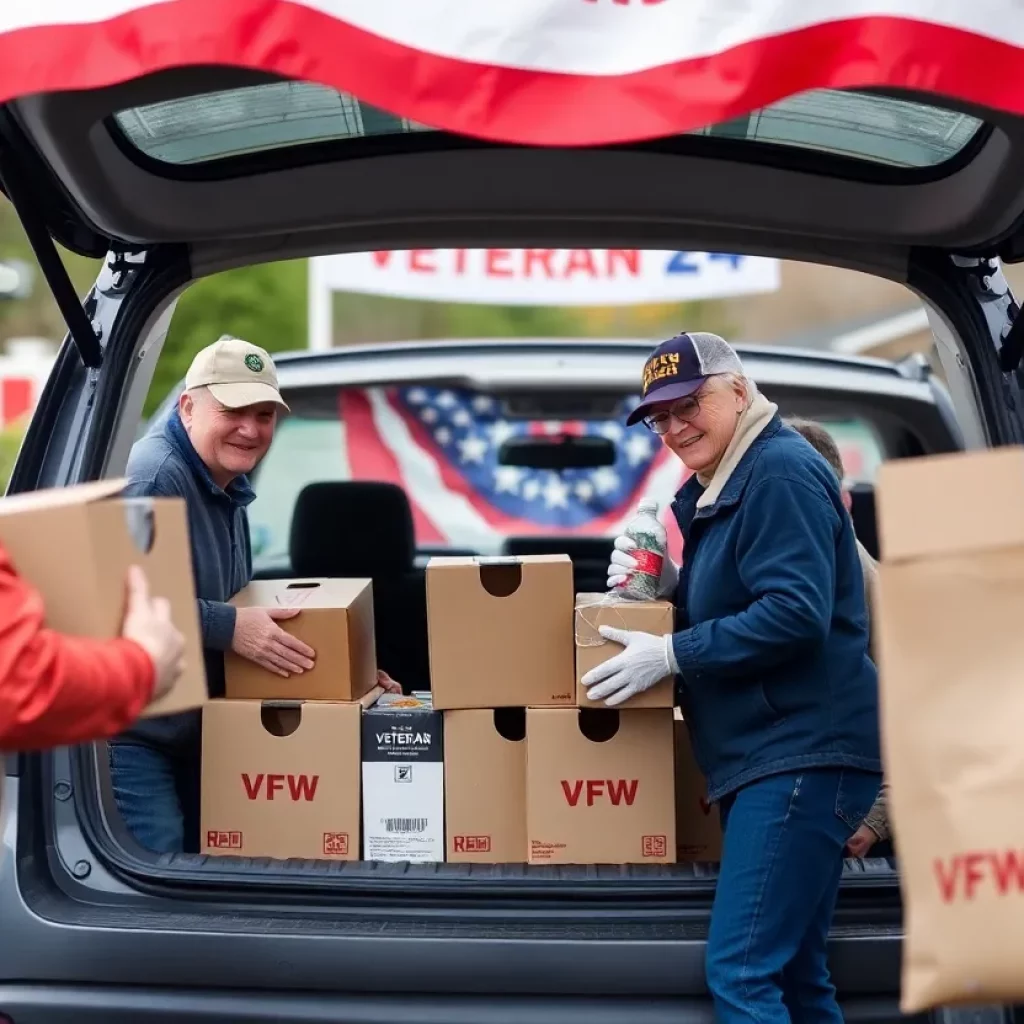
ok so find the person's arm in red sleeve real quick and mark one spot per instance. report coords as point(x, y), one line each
point(55, 689)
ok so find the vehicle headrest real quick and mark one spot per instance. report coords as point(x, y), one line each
point(352, 528)
point(862, 512)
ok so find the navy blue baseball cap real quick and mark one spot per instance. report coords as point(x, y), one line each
point(679, 366)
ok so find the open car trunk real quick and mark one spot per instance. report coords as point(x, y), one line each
point(881, 410)
point(179, 175)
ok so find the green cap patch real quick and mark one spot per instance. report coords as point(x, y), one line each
point(254, 363)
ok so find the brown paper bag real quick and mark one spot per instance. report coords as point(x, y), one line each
point(949, 624)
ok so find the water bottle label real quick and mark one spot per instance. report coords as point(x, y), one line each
point(649, 562)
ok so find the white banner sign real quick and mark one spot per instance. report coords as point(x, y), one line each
point(548, 277)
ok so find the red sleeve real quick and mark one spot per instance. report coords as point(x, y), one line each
point(57, 690)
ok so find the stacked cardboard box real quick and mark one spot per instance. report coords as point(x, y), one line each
point(281, 756)
point(698, 823)
point(500, 641)
point(697, 830)
point(534, 771)
point(601, 780)
point(506, 760)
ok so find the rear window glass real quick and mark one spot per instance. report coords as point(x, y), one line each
point(254, 119)
point(441, 446)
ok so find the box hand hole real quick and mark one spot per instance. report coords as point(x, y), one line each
point(501, 580)
point(510, 723)
point(140, 522)
point(280, 721)
point(599, 725)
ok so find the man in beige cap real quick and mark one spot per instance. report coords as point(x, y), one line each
point(222, 428)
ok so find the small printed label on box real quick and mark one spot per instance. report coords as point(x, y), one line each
point(471, 844)
point(336, 844)
point(217, 840)
point(540, 850)
point(655, 846)
point(403, 773)
point(691, 849)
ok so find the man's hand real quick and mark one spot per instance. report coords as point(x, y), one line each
point(623, 565)
point(860, 843)
point(147, 622)
point(389, 685)
point(259, 638)
point(643, 663)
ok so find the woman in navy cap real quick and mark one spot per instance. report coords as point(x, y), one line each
point(773, 673)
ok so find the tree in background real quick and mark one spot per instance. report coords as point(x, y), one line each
point(10, 444)
point(37, 315)
point(265, 304)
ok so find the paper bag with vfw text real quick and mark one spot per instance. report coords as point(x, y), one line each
point(949, 629)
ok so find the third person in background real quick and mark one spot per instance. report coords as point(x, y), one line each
point(875, 827)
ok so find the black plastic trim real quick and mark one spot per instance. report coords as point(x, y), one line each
point(140, 1005)
point(32, 215)
point(64, 220)
point(165, 269)
point(930, 272)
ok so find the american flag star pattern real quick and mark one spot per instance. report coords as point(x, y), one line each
point(441, 445)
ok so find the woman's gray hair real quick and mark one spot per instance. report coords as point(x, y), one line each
point(748, 387)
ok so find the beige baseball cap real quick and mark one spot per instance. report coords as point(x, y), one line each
point(236, 372)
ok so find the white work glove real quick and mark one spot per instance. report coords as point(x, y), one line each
point(623, 565)
point(644, 662)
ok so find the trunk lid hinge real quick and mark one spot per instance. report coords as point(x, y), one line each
point(80, 327)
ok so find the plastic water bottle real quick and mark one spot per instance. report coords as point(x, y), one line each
point(647, 532)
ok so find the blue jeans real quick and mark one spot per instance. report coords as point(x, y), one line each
point(782, 858)
point(157, 794)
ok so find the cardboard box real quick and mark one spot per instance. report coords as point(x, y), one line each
point(485, 785)
point(336, 620)
point(281, 778)
point(76, 544)
point(600, 786)
point(592, 649)
point(501, 632)
point(403, 781)
point(698, 823)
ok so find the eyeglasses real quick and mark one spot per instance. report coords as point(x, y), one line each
point(683, 411)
